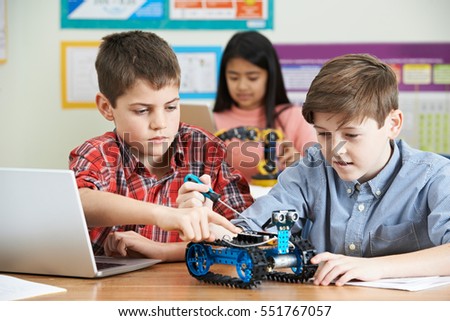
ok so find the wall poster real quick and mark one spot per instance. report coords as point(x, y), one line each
point(78, 75)
point(199, 72)
point(423, 72)
point(167, 14)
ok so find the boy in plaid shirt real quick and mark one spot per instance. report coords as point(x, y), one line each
point(129, 179)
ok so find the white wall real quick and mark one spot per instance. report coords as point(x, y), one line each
point(36, 132)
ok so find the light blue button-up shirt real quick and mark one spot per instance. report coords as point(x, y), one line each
point(405, 208)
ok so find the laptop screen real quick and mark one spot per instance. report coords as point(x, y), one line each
point(42, 225)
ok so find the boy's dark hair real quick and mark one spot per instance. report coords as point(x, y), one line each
point(355, 86)
point(257, 49)
point(126, 57)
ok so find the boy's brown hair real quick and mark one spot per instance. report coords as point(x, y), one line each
point(355, 86)
point(126, 57)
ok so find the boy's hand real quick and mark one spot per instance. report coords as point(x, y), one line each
point(190, 193)
point(193, 223)
point(340, 269)
point(219, 232)
point(127, 243)
point(132, 244)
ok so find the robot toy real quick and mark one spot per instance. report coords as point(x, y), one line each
point(267, 168)
point(256, 255)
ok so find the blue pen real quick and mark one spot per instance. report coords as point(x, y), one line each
point(213, 196)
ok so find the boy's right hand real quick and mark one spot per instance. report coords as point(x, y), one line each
point(190, 194)
point(193, 223)
point(220, 232)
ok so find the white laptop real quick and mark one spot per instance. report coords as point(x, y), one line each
point(198, 115)
point(43, 229)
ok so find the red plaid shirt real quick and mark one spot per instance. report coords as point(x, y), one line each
point(105, 163)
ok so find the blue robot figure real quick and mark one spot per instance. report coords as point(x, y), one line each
point(256, 255)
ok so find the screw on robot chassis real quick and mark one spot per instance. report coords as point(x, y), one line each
point(256, 255)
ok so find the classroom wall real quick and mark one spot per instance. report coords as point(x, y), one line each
point(36, 132)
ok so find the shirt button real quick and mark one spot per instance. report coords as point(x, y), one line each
point(349, 191)
point(352, 247)
point(361, 207)
point(378, 192)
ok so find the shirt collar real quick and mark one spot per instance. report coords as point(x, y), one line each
point(131, 163)
point(380, 183)
point(178, 155)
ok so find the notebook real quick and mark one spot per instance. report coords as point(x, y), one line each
point(198, 115)
point(43, 229)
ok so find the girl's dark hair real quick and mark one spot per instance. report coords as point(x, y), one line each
point(258, 50)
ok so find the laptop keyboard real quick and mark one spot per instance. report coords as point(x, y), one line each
point(106, 265)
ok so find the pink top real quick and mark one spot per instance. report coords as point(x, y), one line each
point(245, 156)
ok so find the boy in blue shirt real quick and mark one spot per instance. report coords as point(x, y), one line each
point(378, 207)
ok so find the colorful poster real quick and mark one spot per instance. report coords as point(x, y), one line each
point(424, 67)
point(199, 72)
point(167, 14)
point(423, 73)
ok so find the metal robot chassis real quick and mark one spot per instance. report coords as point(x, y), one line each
point(256, 256)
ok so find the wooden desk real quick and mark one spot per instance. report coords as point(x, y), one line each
point(172, 282)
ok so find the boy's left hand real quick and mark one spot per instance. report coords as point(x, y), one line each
point(127, 243)
point(340, 269)
point(190, 193)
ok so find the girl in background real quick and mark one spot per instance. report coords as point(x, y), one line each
point(251, 93)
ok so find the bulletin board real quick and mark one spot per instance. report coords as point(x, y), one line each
point(168, 14)
point(2, 31)
point(199, 72)
point(423, 73)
